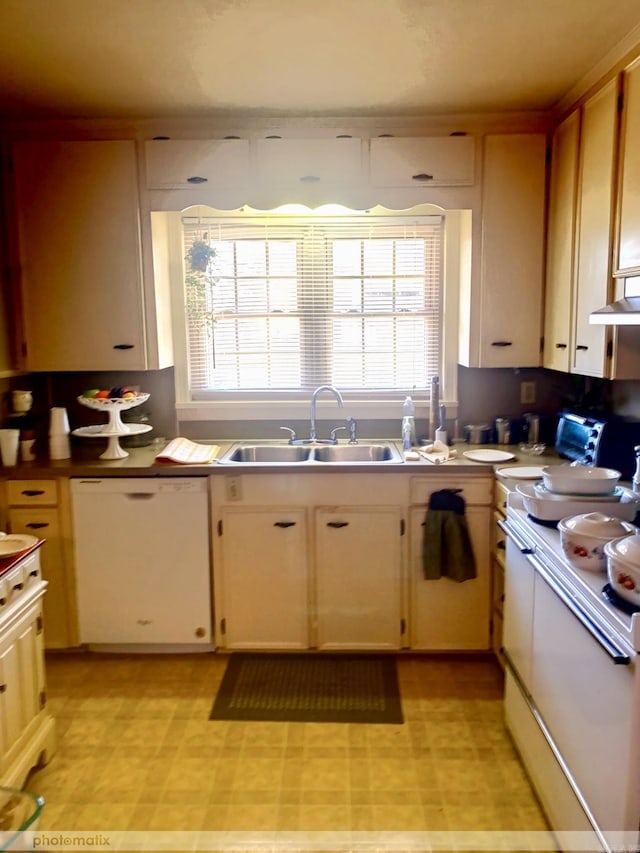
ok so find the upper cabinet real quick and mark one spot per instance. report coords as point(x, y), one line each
point(501, 308)
point(291, 162)
point(580, 240)
point(594, 220)
point(83, 304)
point(189, 163)
point(560, 244)
point(628, 241)
point(415, 162)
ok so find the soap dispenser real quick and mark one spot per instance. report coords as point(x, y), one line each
point(408, 424)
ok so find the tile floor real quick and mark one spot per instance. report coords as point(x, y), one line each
point(137, 752)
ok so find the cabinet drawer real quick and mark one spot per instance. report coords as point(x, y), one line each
point(32, 492)
point(437, 161)
point(479, 491)
point(500, 495)
point(499, 544)
point(14, 583)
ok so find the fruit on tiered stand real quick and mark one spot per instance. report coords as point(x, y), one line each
point(112, 401)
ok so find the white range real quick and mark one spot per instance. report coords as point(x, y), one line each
point(572, 689)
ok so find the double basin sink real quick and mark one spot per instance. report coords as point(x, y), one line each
point(248, 453)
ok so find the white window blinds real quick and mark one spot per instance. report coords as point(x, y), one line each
point(290, 303)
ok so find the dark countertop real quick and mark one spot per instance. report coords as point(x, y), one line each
point(141, 463)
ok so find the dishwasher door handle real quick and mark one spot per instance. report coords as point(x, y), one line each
point(139, 496)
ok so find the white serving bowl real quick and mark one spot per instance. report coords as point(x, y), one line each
point(580, 479)
point(584, 536)
point(623, 567)
point(550, 511)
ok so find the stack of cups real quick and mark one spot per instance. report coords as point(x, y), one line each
point(59, 446)
point(9, 446)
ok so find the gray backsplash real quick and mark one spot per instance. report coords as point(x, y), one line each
point(484, 394)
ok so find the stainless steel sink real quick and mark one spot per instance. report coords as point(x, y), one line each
point(259, 453)
point(357, 453)
point(253, 453)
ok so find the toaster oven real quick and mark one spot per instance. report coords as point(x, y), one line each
point(605, 442)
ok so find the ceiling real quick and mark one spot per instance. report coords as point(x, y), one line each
point(197, 58)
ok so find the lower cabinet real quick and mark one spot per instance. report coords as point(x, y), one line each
point(310, 561)
point(263, 590)
point(329, 562)
point(27, 735)
point(40, 508)
point(358, 578)
point(447, 615)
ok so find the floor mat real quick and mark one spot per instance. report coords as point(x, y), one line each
point(309, 688)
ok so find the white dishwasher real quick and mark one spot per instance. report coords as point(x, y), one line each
point(142, 560)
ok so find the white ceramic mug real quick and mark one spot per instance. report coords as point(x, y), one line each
point(9, 439)
point(22, 401)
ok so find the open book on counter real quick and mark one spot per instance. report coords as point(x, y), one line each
point(186, 452)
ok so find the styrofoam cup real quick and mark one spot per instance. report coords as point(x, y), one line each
point(59, 447)
point(59, 421)
point(9, 439)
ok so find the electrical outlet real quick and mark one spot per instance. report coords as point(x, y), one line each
point(233, 488)
point(527, 393)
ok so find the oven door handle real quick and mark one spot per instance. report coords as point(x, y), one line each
point(521, 543)
point(614, 651)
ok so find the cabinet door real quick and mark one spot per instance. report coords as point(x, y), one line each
point(513, 208)
point(446, 615)
point(78, 228)
point(358, 572)
point(21, 680)
point(57, 616)
point(629, 218)
point(558, 343)
point(188, 163)
point(598, 138)
point(308, 161)
point(264, 599)
point(431, 162)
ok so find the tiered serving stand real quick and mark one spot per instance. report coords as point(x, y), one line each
point(115, 428)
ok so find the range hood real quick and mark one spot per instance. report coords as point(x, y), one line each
point(622, 312)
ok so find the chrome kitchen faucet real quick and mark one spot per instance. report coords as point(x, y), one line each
point(313, 433)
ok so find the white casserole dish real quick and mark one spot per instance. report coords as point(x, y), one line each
point(551, 510)
point(584, 536)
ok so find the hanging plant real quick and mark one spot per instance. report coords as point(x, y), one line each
point(199, 255)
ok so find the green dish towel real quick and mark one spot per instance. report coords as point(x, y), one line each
point(447, 549)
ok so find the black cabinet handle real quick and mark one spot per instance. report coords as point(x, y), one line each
point(123, 346)
point(561, 346)
point(501, 545)
point(501, 343)
point(18, 586)
point(33, 573)
point(36, 525)
point(32, 493)
point(337, 524)
point(284, 524)
point(197, 179)
point(422, 176)
point(3, 688)
point(3, 601)
point(582, 347)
